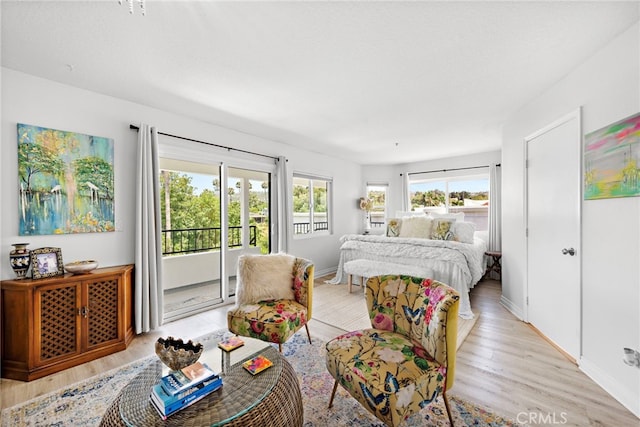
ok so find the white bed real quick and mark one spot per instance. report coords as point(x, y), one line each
point(459, 265)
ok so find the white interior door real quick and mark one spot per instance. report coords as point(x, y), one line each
point(553, 225)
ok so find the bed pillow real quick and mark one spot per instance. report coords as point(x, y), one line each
point(393, 227)
point(482, 235)
point(442, 229)
point(463, 231)
point(416, 227)
point(264, 277)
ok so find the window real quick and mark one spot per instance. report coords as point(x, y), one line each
point(467, 194)
point(378, 194)
point(311, 202)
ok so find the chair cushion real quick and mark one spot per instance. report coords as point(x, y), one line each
point(273, 321)
point(264, 277)
point(386, 372)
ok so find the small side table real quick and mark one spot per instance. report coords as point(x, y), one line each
point(496, 256)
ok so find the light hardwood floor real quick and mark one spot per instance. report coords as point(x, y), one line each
point(503, 365)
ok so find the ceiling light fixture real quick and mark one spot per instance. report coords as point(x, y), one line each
point(130, 3)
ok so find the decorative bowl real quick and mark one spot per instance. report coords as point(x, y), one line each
point(177, 354)
point(81, 267)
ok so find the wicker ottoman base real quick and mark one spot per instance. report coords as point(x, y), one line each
point(281, 407)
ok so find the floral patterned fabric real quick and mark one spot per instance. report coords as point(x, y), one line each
point(401, 364)
point(277, 320)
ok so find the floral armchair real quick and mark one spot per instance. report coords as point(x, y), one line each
point(273, 297)
point(408, 358)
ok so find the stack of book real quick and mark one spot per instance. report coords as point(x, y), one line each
point(182, 388)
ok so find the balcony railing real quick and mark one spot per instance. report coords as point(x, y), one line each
point(191, 240)
point(304, 227)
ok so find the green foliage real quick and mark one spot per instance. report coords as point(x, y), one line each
point(300, 198)
point(429, 198)
point(97, 171)
point(320, 199)
point(181, 197)
point(377, 197)
point(37, 159)
point(191, 211)
point(437, 198)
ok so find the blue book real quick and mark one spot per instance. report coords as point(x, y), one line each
point(178, 381)
point(167, 404)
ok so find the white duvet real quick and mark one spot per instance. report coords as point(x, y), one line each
point(459, 265)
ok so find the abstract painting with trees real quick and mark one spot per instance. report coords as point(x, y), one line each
point(65, 182)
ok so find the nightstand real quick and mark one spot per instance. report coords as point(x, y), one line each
point(496, 257)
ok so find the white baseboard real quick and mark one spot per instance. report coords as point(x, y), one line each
point(514, 309)
point(619, 392)
point(325, 272)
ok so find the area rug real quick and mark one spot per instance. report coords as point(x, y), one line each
point(83, 404)
point(335, 306)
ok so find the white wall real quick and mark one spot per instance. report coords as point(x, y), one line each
point(607, 87)
point(31, 100)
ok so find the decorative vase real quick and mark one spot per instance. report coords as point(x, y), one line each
point(20, 259)
point(367, 222)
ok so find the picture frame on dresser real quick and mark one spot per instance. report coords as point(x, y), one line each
point(46, 262)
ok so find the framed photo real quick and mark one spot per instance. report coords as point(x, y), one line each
point(46, 262)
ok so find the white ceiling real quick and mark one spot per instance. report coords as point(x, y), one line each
point(374, 82)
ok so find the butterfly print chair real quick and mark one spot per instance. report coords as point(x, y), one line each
point(408, 358)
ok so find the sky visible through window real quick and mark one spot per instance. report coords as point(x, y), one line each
point(472, 186)
point(202, 182)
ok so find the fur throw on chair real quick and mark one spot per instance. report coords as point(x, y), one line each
point(264, 277)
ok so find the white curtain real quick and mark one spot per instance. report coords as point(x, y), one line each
point(495, 208)
point(284, 206)
point(406, 206)
point(148, 298)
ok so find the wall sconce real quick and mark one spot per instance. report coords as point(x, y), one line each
point(631, 357)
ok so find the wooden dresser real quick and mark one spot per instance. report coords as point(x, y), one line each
point(55, 323)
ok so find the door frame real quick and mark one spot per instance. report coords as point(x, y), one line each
point(577, 115)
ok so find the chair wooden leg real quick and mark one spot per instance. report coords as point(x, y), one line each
point(446, 404)
point(333, 393)
point(350, 282)
point(280, 347)
point(306, 326)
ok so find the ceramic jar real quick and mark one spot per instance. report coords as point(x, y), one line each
point(20, 259)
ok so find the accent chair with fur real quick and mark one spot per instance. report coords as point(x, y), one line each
point(273, 297)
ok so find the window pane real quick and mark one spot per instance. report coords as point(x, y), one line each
point(301, 206)
point(190, 216)
point(259, 213)
point(427, 194)
point(190, 210)
point(471, 196)
point(378, 194)
point(311, 204)
point(320, 208)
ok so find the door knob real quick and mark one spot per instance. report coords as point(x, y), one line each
point(569, 251)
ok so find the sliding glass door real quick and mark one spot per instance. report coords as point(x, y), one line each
point(191, 236)
point(248, 216)
point(211, 214)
